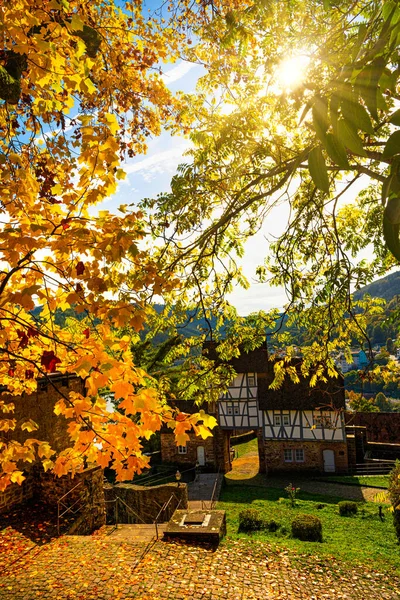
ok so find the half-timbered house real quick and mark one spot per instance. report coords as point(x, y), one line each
point(298, 427)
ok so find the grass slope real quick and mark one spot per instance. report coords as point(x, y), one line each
point(363, 538)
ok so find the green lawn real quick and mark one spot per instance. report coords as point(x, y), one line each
point(363, 538)
point(246, 448)
point(373, 480)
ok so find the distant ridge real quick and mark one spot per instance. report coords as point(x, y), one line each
point(387, 287)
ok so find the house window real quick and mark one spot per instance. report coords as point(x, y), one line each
point(182, 449)
point(288, 455)
point(283, 419)
point(299, 455)
point(233, 409)
point(251, 379)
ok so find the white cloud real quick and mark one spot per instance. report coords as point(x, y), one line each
point(177, 72)
point(160, 162)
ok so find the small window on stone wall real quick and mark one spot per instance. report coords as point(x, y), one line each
point(288, 455)
point(299, 455)
point(182, 449)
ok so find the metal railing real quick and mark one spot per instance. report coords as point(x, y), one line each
point(163, 508)
point(214, 499)
point(372, 467)
point(73, 508)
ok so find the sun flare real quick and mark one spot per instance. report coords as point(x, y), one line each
point(291, 71)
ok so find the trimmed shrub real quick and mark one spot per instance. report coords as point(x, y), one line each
point(307, 528)
point(347, 508)
point(271, 525)
point(250, 520)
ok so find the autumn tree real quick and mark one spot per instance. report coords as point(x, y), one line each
point(358, 403)
point(382, 402)
point(298, 107)
point(80, 91)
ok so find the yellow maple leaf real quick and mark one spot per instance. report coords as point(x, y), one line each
point(17, 477)
point(29, 426)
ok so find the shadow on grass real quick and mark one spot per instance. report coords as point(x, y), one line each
point(260, 486)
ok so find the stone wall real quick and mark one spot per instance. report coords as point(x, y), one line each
point(351, 450)
point(46, 488)
point(313, 456)
point(39, 407)
point(52, 428)
point(381, 427)
point(216, 450)
point(262, 468)
point(17, 494)
point(145, 502)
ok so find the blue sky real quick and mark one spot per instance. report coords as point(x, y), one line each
point(150, 174)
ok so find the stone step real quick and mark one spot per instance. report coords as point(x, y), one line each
point(136, 534)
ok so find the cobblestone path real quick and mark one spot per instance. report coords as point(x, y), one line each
point(89, 568)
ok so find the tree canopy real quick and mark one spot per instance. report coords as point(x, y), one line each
point(80, 90)
point(261, 139)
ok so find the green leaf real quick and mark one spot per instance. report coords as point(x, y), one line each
point(320, 117)
point(386, 188)
point(391, 237)
point(318, 170)
point(336, 151)
point(334, 111)
point(367, 84)
point(348, 136)
point(392, 211)
point(388, 10)
point(356, 115)
point(395, 118)
point(76, 23)
point(392, 145)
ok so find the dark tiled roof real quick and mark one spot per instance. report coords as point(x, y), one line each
point(292, 396)
point(254, 361)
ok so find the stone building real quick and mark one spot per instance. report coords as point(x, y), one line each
point(298, 427)
point(212, 453)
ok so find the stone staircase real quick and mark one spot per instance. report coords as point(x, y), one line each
point(204, 490)
point(136, 534)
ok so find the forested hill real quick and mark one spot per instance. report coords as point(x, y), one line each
point(388, 287)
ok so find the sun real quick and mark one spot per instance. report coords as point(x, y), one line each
point(291, 71)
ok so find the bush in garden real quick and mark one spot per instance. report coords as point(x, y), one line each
point(394, 496)
point(347, 508)
point(271, 525)
point(307, 528)
point(250, 520)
